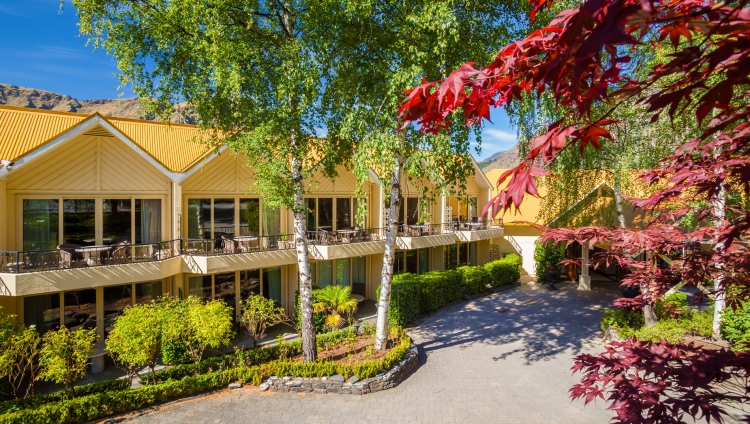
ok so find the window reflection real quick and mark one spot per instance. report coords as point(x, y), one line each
point(40, 224)
point(79, 221)
point(116, 214)
point(199, 218)
point(249, 217)
point(343, 213)
point(116, 299)
point(80, 309)
point(42, 311)
point(200, 287)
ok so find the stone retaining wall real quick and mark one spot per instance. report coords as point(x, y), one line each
point(338, 384)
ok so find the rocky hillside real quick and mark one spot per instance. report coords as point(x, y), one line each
point(13, 95)
point(503, 160)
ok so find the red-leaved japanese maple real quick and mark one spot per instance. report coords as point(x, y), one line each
point(578, 58)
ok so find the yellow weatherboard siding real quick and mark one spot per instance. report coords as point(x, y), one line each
point(178, 147)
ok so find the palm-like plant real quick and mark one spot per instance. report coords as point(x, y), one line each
point(335, 301)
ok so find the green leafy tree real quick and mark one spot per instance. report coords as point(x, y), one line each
point(395, 45)
point(258, 314)
point(264, 75)
point(135, 339)
point(174, 325)
point(209, 326)
point(65, 355)
point(335, 301)
point(19, 347)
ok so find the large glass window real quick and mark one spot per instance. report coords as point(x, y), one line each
point(79, 221)
point(472, 207)
point(147, 221)
point(312, 223)
point(473, 253)
point(399, 263)
point(224, 289)
point(412, 261)
point(146, 292)
point(249, 283)
point(325, 213)
point(314, 273)
point(359, 275)
point(343, 272)
point(80, 309)
point(41, 224)
point(325, 273)
point(200, 287)
point(42, 311)
point(223, 217)
point(451, 256)
point(249, 217)
point(116, 299)
point(116, 214)
point(272, 284)
point(412, 210)
point(271, 221)
point(199, 218)
point(343, 213)
point(463, 254)
point(424, 260)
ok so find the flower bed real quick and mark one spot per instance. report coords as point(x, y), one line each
point(245, 366)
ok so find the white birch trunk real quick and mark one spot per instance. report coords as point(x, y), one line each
point(719, 212)
point(391, 232)
point(309, 346)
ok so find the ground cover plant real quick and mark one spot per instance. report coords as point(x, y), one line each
point(581, 58)
point(675, 320)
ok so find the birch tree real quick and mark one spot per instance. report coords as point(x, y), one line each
point(259, 76)
point(405, 42)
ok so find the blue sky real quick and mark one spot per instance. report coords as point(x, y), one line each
point(41, 48)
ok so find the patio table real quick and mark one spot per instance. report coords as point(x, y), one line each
point(357, 297)
point(347, 235)
point(92, 254)
point(244, 242)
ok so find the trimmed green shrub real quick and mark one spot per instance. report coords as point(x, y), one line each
point(319, 319)
point(735, 326)
point(623, 320)
point(404, 307)
point(547, 256)
point(504, 271)
point(75, 392)
point(438, 288)
point(475, 279)
point(674, 303)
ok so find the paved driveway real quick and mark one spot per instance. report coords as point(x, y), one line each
point(476, 365)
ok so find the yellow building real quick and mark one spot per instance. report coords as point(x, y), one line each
point(99, 213)
point(594, 207)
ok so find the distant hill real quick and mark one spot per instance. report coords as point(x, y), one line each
point(13, 95)
point(503, 160)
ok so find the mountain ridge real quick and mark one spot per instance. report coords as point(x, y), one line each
point(503, 159)
point(13, 95)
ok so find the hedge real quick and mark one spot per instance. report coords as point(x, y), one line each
point(404, 306)
point(474, 278)
point(505, 271)
point(421, 294)
point(437, 288)
point(98, 405)
point(77, 391)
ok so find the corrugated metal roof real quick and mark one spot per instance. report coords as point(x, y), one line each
point(176, 146)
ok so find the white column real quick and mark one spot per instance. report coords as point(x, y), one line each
point(584, 280)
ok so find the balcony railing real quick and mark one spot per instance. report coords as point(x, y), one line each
point(232, 245)
point(345, 236)
point(422, 230)
point(477, 225)
point(69, 256)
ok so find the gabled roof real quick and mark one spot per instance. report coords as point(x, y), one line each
point(176, 147)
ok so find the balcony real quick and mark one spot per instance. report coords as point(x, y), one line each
point(424, 236)
point(229, 253)
point(73, 267)
point(468, 231)
point(347, 243)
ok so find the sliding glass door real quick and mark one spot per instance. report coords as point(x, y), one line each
point(41, 224)
point(79, 221)
point(116, 215)
point(211, 218)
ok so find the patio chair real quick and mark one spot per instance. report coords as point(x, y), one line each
point(327, 238)
point(118, 253)
point(68, 257)
point(228, 244)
